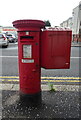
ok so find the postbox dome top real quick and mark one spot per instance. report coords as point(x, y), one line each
point(28, 23)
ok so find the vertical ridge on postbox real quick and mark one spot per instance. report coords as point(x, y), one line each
point(55, 48)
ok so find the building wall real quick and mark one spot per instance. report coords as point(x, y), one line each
point(77, 23)
point(75, 20)
point(80, 21)
point(0, 29)
point(10, 30)
point(74, 23)
point(68, 23)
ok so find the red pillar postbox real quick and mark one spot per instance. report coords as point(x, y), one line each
point(49, 49)
point(29, 58)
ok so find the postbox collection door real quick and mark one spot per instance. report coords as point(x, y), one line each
point(55, 49)
point(29, 62)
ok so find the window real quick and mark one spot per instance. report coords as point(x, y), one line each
point(80, 6)
point(80, 23)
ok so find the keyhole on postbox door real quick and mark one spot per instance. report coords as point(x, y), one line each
point(36, 43)
point(36, 69)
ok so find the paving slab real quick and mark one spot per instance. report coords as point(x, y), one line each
point(44, 87)
point(59, 104)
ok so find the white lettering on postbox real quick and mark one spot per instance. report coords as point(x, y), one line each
point(27, 61)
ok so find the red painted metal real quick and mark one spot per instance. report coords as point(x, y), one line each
point(55, 48)
point(49, 49)
point(29, 66)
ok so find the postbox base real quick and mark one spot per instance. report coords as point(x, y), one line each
point(31, 100)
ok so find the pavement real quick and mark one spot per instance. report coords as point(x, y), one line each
point(63, 102)
point(76, 44)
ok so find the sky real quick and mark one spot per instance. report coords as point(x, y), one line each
point(56, 11)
